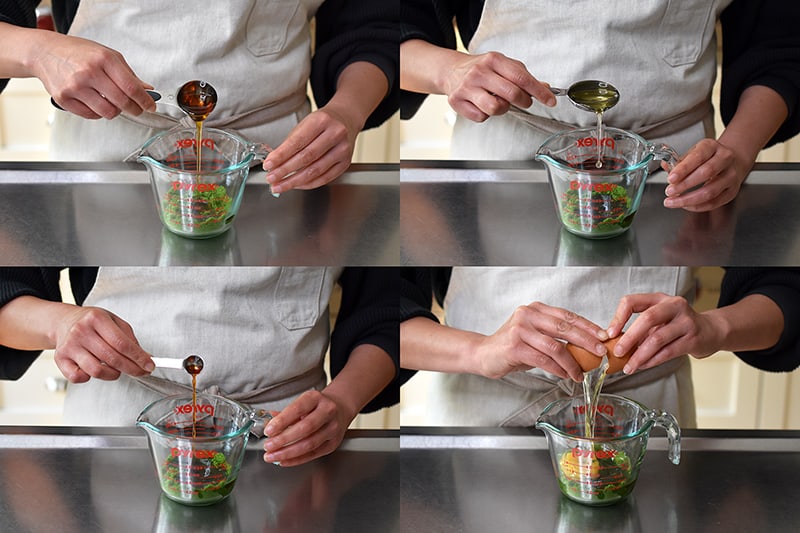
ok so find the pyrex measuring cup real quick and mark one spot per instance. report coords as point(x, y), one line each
point(599, 202)
point(602, 470)
point(198, 199)
point(198, 470)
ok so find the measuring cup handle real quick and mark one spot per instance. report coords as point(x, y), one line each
point(260, 420)
point(260, 152)
point(666, 153)
point(670, 424)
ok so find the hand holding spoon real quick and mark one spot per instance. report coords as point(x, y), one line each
point(196, 98)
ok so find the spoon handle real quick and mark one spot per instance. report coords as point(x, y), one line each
point(168, 362)
point(558, 92)
point(155, 95)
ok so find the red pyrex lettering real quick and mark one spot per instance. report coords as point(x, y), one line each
point(594, 454)
point(596, 187)
point(592, 141)
point(186, 409)
point(201, 187)
point(188, 143)
point(197, 454)
point(604, 408)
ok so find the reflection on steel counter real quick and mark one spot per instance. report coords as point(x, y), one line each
point(57, 214)
point(469, 214)
point(91, 481)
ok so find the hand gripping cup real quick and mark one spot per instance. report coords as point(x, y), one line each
point(599, 202)
point(602, 470)
point(200, 469)
point(198, 198)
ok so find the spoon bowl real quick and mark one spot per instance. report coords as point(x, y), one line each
point(590, 95)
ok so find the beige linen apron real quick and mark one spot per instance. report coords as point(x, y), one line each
point(482, 299)
point(660, 54)
point(261, 331)
point(256, 54)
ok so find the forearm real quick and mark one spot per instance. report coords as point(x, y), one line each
point(428, 345)
point(423, 65)
point(359, 89)
point(27, 323)
point(367, 372)
point(760, 113)
point(16, 45)
point(753, 323)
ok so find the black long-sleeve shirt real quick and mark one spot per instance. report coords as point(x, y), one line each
point(760, 46)
point(420, 286)
point(346, 31)
point(368, 314)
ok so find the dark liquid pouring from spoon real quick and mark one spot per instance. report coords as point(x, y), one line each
point(197, 99)
point(193, 364)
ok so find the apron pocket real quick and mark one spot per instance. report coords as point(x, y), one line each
point(268, 25)
point(298, 297)
point(683, 30)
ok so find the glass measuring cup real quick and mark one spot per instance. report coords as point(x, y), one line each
point(198, 199)
point(593, 202)
point(198, 470)
point(602, 470)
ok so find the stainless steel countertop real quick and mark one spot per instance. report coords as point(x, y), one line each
point(82, 214)
point(487, 479)
point(502, 213)
point(83, 480)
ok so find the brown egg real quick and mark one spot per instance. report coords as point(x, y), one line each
point(588, 360)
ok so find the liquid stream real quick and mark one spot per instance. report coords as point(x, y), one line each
point(193, 365)
point(592, 383)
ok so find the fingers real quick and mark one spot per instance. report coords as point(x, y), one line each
point(539, 327)
point(705, 178)
point(488, 84)
point(316, 152)
point(100, 345)
point(306, 429)
point(94, 81)
point(663, 319)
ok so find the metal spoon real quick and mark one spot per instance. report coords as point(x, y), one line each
point(590, 95)
point(196, 98)
point(193, 364)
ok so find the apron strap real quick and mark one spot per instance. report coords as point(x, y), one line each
point(247, 119)
point(563, 388)
point(664, 128)
point(311, 379)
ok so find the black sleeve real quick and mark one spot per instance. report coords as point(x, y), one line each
point(761, 46)
point(435, 21)
point(368, 314)
point(63, 14)
point(18, 13)
point(42, 283)
point(357, 30)
point(24, 281)
point(419, 287)
point(782, 285)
